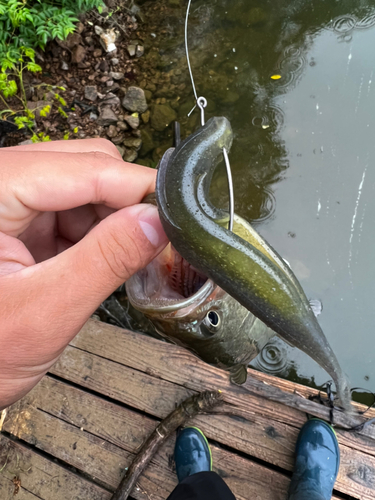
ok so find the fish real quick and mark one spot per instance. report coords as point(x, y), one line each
point(190, 310)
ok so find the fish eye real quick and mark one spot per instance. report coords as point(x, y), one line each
point(212, 320)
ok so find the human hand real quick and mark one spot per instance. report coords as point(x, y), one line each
point(71, 232)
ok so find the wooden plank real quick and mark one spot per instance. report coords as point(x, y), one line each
point(265, 430)
point(127, 430)
point(177, 365)
point(41, 478)
point(106, 462)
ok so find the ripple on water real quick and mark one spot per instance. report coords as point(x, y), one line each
point(272, 358)
point(268, 206)
point(344, 24)
point(367, 22)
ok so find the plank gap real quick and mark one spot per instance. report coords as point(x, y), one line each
point(58, 461)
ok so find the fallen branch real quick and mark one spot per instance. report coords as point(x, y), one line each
point(200, 403)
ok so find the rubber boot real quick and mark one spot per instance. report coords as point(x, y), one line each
point(192, 453)
point(317, 462)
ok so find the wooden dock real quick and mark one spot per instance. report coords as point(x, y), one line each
point(74, 435)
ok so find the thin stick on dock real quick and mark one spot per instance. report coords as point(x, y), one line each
point(199, 403)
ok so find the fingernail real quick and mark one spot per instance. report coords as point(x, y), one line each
point(150, 224)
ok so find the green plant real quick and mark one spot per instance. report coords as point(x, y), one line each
point(26, 25)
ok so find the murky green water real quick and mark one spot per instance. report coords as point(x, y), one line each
point(303, 159)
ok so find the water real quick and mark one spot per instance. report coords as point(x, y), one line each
point(304, 150)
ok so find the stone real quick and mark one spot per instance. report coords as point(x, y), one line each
point(122, 126)
point(145, 116)
point(64, 66)
point(78, 54)
point(120, 150)
point(97, 53)
point(131, 50)
point(117, 75)
point(109, 83)
point(107, 39)
point(148, 95)
point(147, 142)
point(118, 139)
point(162, 115)
point(93, 116)
point(133, 143)
point(111, 131)
point(115, 61)
point(130, 155)
point(140, 50)
point(98, 30)
point(132, 120)
point(72, 40)
point(111, 99)
point(135, 100)
point(107, 116)
point(91, 92)
point(103, 66)
point(25, 143)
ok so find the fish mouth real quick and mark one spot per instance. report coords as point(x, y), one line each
point(169, 283)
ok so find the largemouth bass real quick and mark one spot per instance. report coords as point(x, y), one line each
point(190, 310)
point(249, 270)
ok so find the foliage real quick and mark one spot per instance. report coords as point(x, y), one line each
point(26, 25)
point(31, 23)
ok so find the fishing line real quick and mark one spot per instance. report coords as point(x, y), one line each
point(201, 102)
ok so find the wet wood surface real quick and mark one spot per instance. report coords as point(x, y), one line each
point(74, 435)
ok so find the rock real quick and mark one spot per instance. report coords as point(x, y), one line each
point(64, 66)
point(78, 54)
point(111, 99)
point(162, 115)
point(109, 83)
point(111, 131)
point(72, 40)
point(140, 50)
point(116, 75)
point(37, 106)
point(93, 116)
point(114, 61)
point(88, 40)
point(107, 116)
point(135, 100)
point(145, 116)
point(118, 139)
point(132, 120)
point(25, 143)
point(120, 150)
point(130, 155)
point(98, 30)
point(80, 27)
point(91, 92)
point(147, 142)
point(104, 66)
point(122, 126)
point(131, 50)
point(107, 39)
point(148, 95)
point(133, 143)
point(97, 53)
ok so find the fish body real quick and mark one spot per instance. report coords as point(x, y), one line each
point(247, 268)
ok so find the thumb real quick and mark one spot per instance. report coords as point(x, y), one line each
point(119, 246)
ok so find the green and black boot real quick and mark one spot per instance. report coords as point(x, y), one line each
point(317, 462)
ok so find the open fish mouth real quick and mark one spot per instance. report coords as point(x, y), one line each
point(169, 283)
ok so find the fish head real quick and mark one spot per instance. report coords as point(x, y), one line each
point(190, 310)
